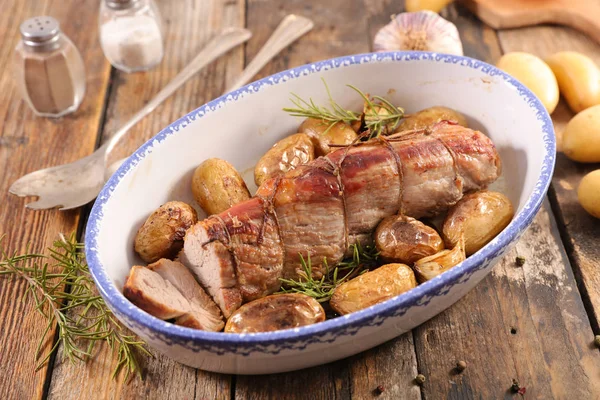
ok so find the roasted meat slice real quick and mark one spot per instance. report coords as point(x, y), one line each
point(167, 290)
point(306, 198)
point(253, 238)
point(430, 182)
point(153, 294)
point(370, 179)
point(203, 313)
point(475, 157)
point(255, 243)
point(212, 263)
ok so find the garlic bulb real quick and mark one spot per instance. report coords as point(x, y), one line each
point(422, 31)
point(429, 267)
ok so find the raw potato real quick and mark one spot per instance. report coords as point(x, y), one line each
point(284, 156)
point(581, 137)
point(431, 5)
point(161, 236)
point(479, 217)
point(403, 239)
point(372, 287)
point(578, 79)
point(429, 116)
point(429, 267)
point(316, 129)
point(275, 312)
point(217, 186)
point(535, 74)
point(589, 193)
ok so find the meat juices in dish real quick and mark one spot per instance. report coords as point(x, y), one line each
point(321, 208)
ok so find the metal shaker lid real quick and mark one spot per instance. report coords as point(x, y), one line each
point(120, 4)
point(40, 31)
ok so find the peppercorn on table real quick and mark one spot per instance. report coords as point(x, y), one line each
point(527, 330)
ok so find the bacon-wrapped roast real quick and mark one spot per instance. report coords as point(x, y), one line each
point(321, 208)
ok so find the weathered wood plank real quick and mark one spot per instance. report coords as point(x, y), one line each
point(524, 323)
point(580, 231)
point(28, 143)
point(479, 41)
point(331, 381)
point(340, 29)
point(189, 25)
point(392, 366)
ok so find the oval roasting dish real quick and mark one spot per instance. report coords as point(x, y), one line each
point(242, 125)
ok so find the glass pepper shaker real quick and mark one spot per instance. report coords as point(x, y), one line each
point(131, 34)
point(48, 68)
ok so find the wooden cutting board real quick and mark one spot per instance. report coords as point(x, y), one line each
point(583, 15)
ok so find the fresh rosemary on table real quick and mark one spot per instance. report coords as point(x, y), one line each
point(322, 289)
point(65, 295)
point(380, 116)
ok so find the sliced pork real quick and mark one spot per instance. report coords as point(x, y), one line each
point(207, 256)
point(167, 290)
point(150, 292)
point(318, 210)
point(203, 312)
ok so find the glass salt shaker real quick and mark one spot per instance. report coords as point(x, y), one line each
point(48, 68)
point(131, 34)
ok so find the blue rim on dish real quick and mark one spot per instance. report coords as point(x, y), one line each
point(328, 330)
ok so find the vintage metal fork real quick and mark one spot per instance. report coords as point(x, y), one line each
point(72, 185)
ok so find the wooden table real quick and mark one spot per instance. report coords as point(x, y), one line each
point(534, 323)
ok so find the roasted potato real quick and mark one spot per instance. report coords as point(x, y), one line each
point(372, 287)
point(431, 266)
point(429, 116)
point(479, 217)
point(275, 312)
point(402, 239)
point(322, 136)
point(161, 236)
point(217, 186)
point(284, 156)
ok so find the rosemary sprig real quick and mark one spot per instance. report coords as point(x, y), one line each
point(380, 116)
point(333, 115)
point(68, 298)
point(322, 289)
